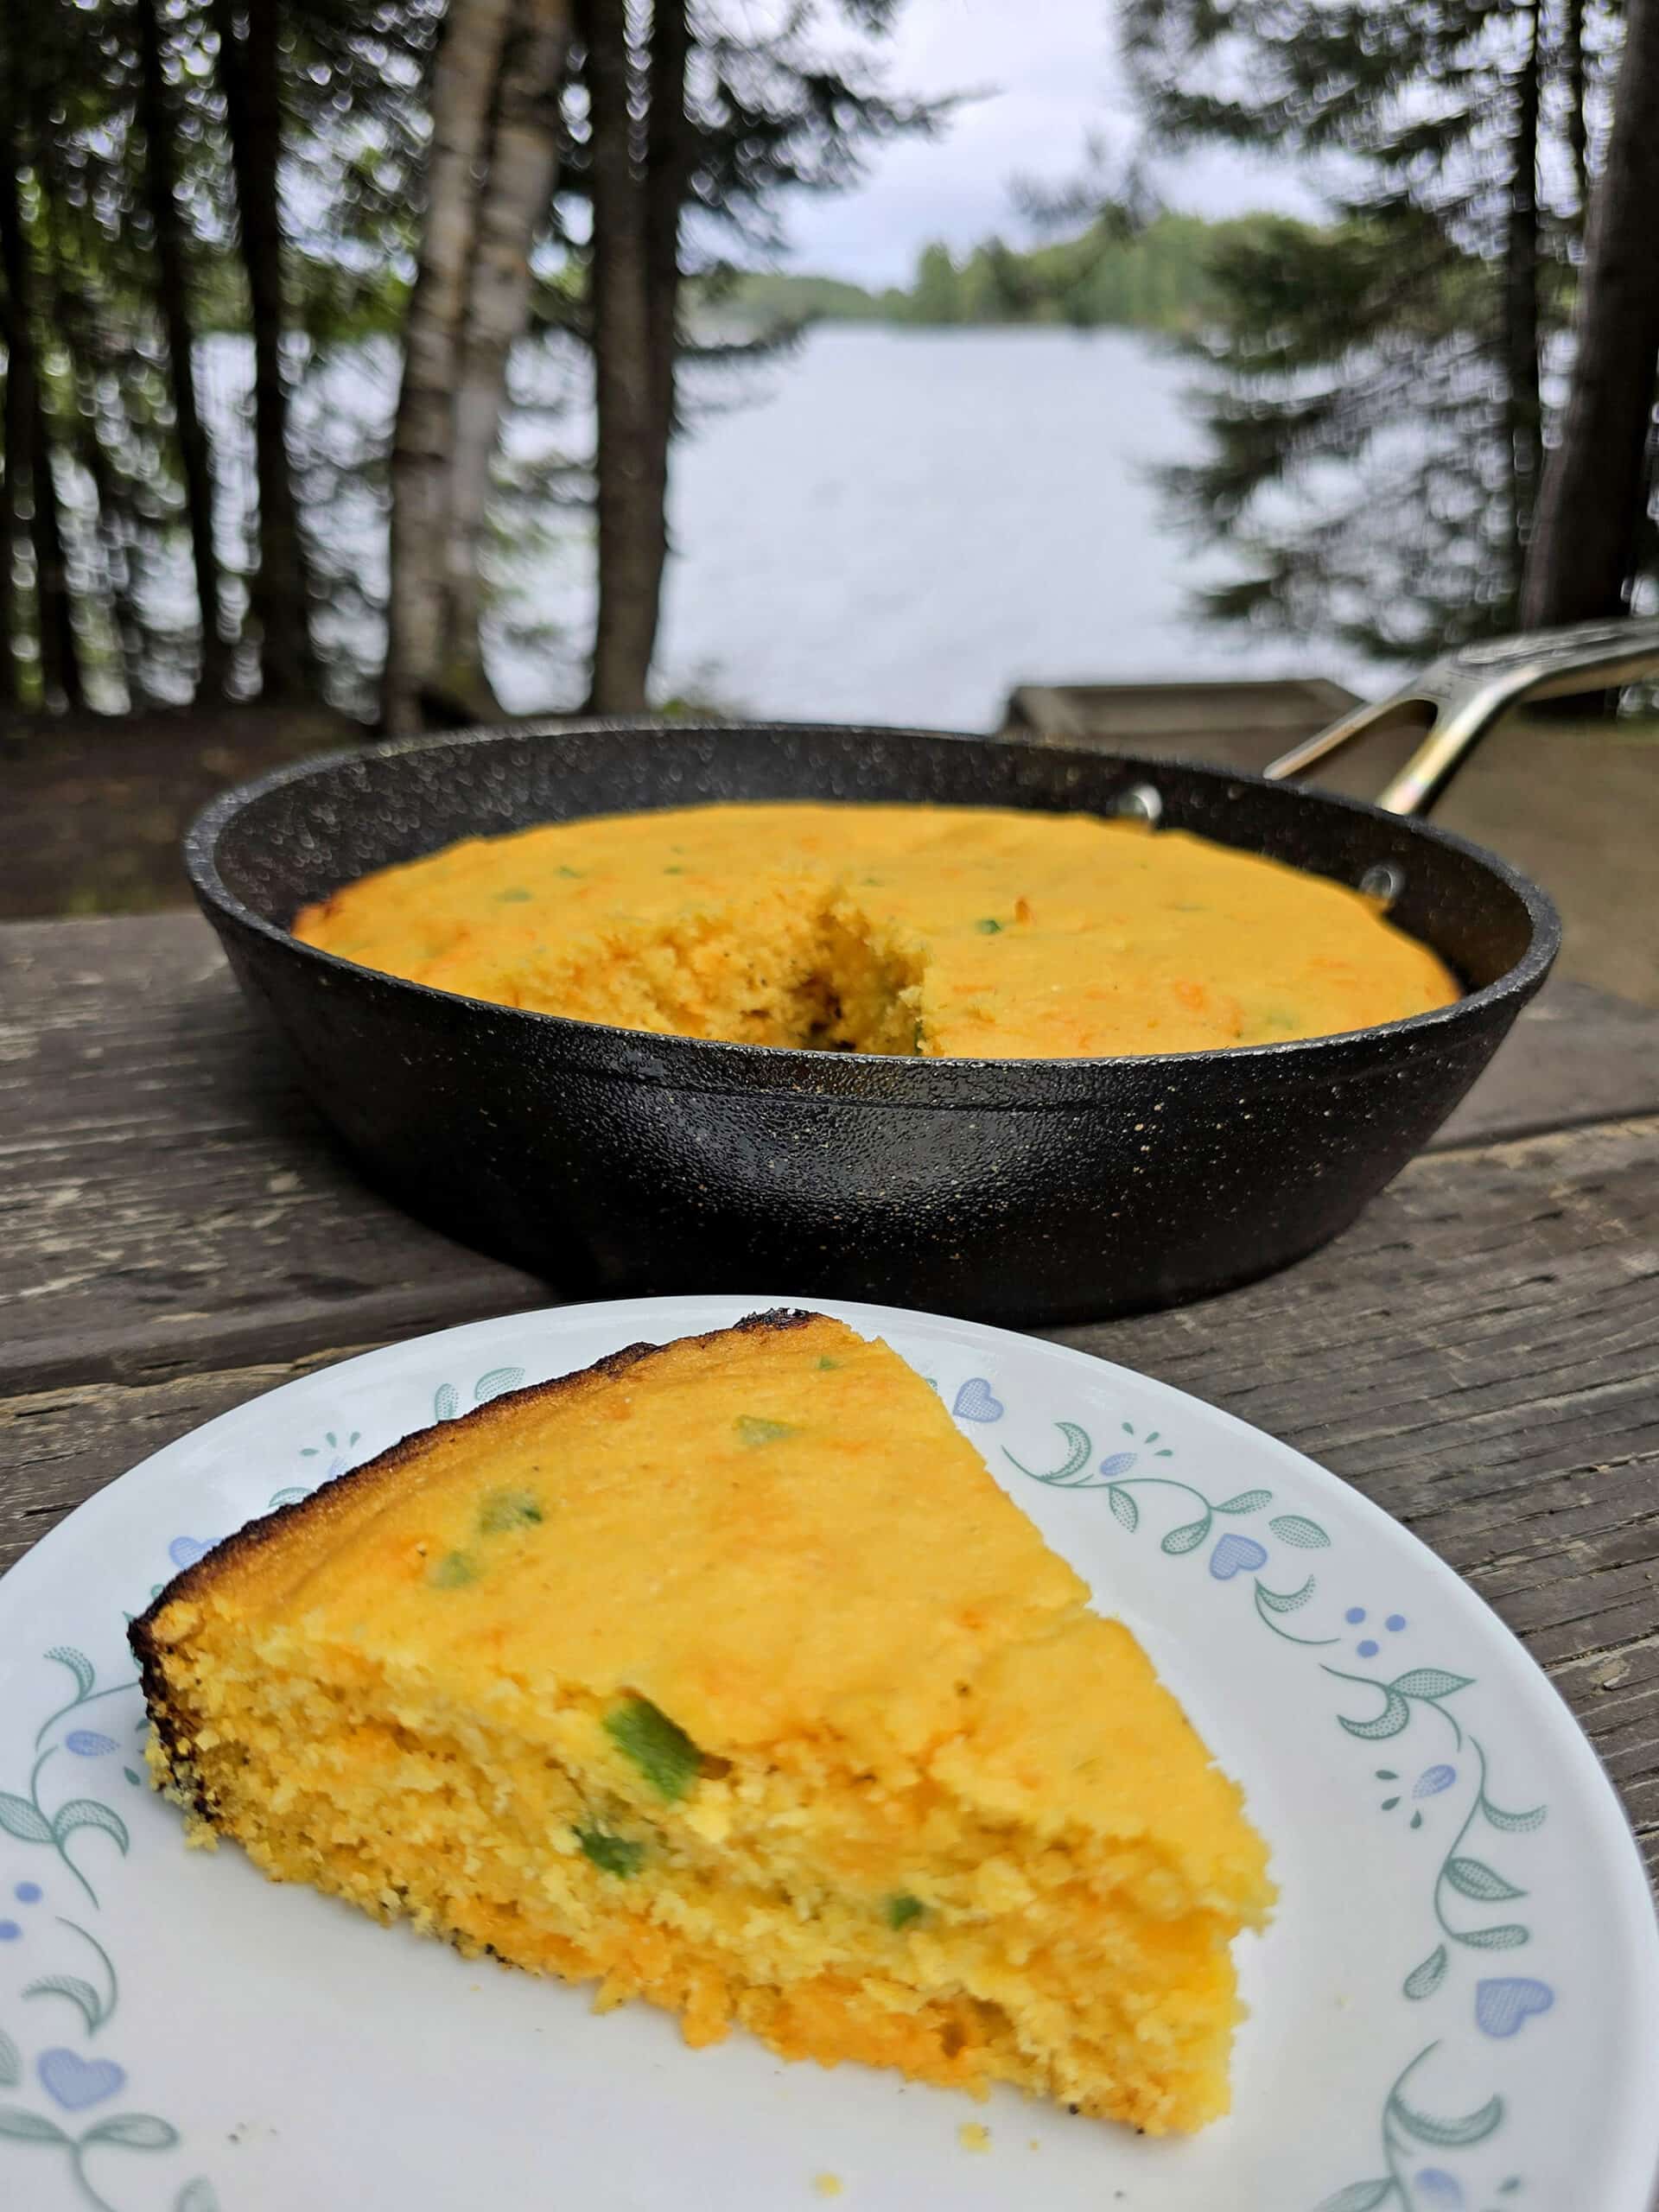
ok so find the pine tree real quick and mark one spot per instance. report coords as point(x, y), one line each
point(936, 294)
point(629, 459)
point(158, 122)
point(250, 74)
point(177, 173)
point(1373, 402)
point(33, 448)
point(110, 253)
point(123, 261)
point(693, 113)
point(1597, 520)
point(468, 62)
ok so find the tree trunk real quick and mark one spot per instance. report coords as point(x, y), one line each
point(672, 153)
point(113, 545)
point(1597, 483)
point(10, 694)
point(12, 419)
point(522, 164)
point(466, 73)
point(250, 76)
point(28, 438)
point(1522, 405)
point(173, 297)
point(66, 312)
point(1578, 123)
point(60, 648)
point(627, 487)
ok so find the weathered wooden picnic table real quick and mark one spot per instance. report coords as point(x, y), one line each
point(1480, 1354)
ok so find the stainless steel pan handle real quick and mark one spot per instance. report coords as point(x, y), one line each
point(1466, 692)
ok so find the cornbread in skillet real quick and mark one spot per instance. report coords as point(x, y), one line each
point(971, 931)
point(724, 1674)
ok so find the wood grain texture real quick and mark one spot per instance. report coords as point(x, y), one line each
point(1480, 1356)
point(1576, 1055)
point(58, 1446)
point(169, 1202)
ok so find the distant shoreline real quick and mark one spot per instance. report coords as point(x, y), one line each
point(1156, 278)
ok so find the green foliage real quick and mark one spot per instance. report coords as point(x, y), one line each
point(1159, 278)
point(1370, 384)
point(85, 129)
point(773, 112)
point(937, 293)
point(778, 297)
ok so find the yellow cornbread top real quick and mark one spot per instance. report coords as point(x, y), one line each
point(970, 931)
point(777, 1536)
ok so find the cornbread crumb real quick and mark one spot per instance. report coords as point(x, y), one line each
point(894, 929)
point(718, 1718)
point(974, 2135)
point(828, 2185)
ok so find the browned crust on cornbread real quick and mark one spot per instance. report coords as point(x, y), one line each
point(171, 1723)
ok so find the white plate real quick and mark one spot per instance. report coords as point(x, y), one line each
point(1457, 2006)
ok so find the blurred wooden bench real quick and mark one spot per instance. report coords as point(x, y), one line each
point(1166, 717)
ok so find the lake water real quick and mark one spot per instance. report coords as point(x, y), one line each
point(891, 525)
point(901, 525)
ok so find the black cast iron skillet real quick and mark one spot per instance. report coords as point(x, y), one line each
point(1039, 1190)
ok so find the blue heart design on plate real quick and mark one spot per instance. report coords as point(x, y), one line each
point(1503, 2007)
point(185, 1551)
point(1236, 1555)
point(75, 2082)
point(976, 1401)
point(1433, 1780)
point(1436, 2186)
point(87, 1744)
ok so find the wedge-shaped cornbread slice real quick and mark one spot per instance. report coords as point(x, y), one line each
point(726, 1674)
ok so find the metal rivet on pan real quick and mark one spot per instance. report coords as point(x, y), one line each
point(1385, 881)
point(1143, 801)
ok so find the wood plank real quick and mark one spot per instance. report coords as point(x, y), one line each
point(1263, 716)
point(169, 1203)
point(1576, 1055)
point(165, 1188)
point(1480, 1355)
point(58, 1446)
point(96, 804)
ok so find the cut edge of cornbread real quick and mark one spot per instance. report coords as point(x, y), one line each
point(796, 963)
point(964, 1910)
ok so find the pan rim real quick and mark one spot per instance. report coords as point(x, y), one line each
point(742, 1061)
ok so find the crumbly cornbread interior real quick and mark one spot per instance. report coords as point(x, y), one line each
point(724, 1675)
point(970, 931)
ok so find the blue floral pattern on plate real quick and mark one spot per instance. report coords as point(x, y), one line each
point(1245, 1551)
point(1260, 1553)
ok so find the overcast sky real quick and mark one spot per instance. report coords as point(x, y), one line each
point(1051, 77)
